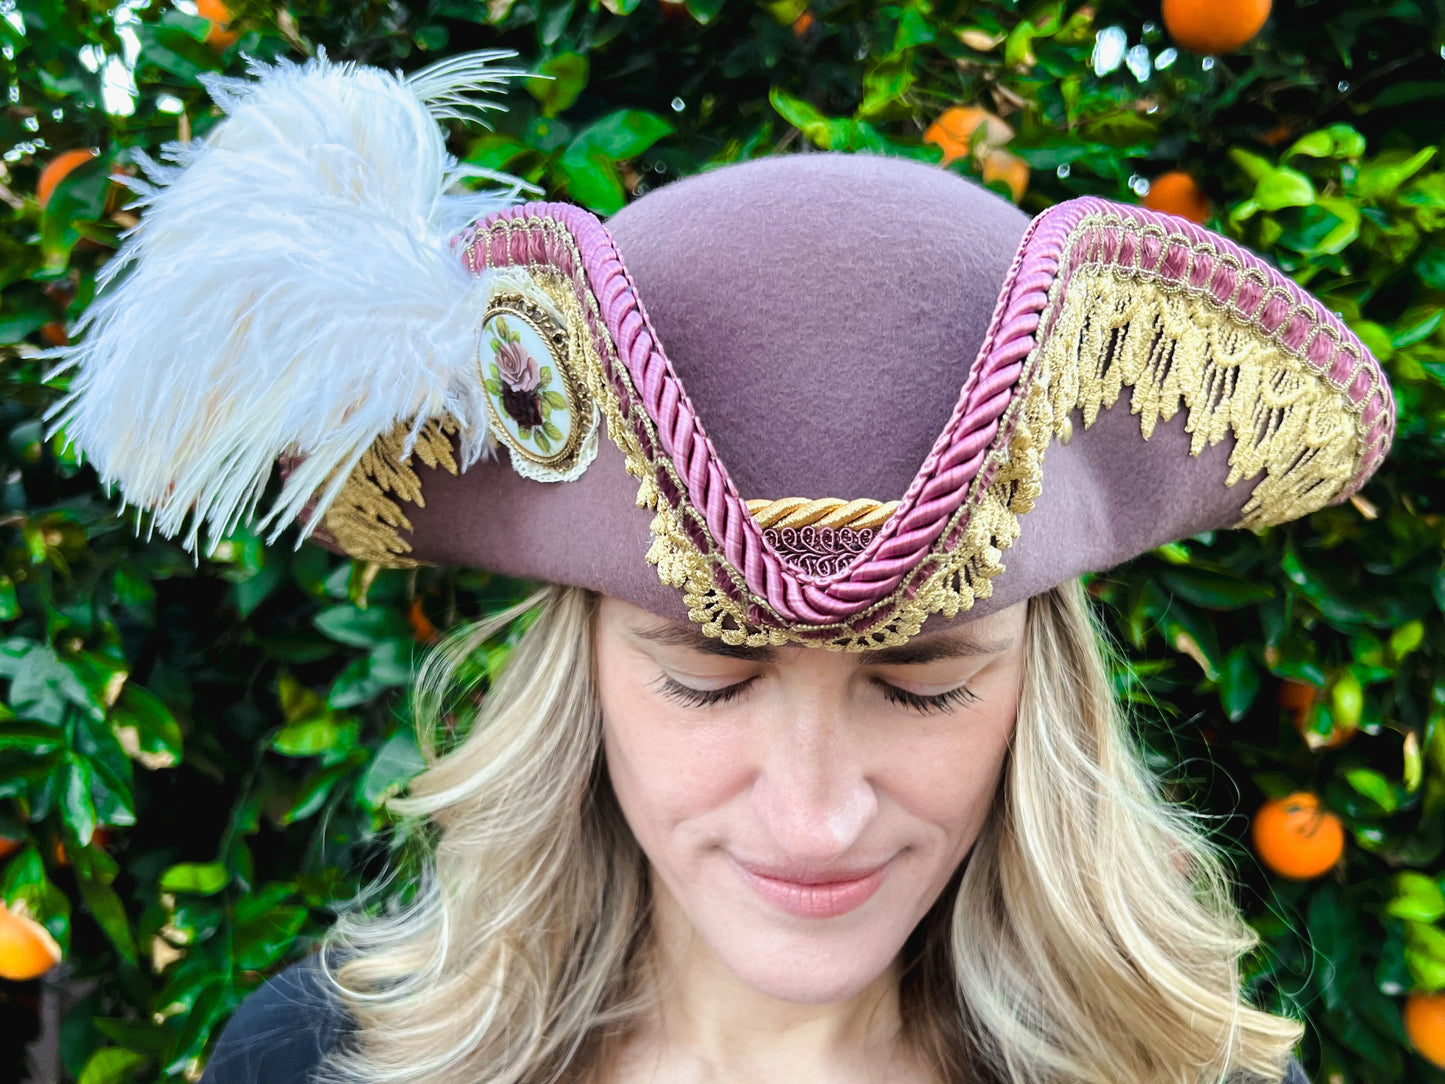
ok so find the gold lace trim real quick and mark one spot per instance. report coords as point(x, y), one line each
point(834, 512)
point(1176, 351)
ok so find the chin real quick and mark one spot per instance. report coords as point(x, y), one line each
point(817, 966)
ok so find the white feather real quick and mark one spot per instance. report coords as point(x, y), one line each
point(292, 290)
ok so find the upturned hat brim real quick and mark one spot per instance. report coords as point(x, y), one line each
point(1140, 380)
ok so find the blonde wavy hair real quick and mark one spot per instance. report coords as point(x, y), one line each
point(1089, 938)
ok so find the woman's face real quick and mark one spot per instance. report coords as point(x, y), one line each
point(801, 808)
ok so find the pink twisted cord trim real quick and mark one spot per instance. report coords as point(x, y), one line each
point(1233, 278)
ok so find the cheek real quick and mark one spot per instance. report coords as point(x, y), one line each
point(947, 776)
point(669, 771)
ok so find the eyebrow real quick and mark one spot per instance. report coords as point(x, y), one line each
point(955, 644)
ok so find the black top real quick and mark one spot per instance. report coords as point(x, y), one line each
point(280, 1033)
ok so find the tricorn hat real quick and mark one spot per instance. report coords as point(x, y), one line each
point(813, 399)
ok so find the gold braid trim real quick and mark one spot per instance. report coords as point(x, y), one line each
point(366, 518)
point(834, 512)
point(1110, 331)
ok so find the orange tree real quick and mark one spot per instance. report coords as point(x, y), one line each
point(195, 757)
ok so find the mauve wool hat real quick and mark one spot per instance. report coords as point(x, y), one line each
point(815, 399)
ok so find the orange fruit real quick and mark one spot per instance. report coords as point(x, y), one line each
point(1213, 27)
point(1299, 699)
point(999, 165)
point(57, 169)
point(9, 846)
point(1177, 193)
point(803, 23)
point(421, 627)
point(1424, 1016)
point(98, 838)
point(220, 37)
point(955, 126)
point(27, 950)
point(54, 333)
point(1296, 838)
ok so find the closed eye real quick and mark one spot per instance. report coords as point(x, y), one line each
point(953, 698)
point(699, 698)
point(704, 698)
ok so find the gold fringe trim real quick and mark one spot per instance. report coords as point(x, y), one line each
point(1174, 350)
point(834, 512)
point(366, 518)
point(1177, 351)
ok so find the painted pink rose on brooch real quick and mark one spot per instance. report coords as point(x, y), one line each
point(519, 377)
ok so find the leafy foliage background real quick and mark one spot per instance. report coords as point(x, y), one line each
point(194, 757)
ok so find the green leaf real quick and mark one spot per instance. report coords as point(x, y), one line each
point(76, 801)
point(1336, 141)
point(704, 11)
point(1374, 786)
point(109, 913)
point(195, 878)
point(1425, 954)
point(42, 684)
point(1252, 166)
point(1019, 46)
point(1417, 898)
point(394, 765)
point(145, 728)
point(112, 1065)
point(555, 399)
point(815, 127)
point(312, 737)
point(1284, 187)
point(913, 30)
point(553, 23)
point(1383, 176)
point(314, 793)
point(591, 178)
point(883, 86)
point(568, 74)
point(624, 134)
point(267, 937)
point(1430, 265)
point(494, 387)
point(176, 51)
point(1416, 326)
point(1239, 683)
point(1214, 590)
point(363, 628)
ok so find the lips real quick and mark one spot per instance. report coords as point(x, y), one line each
point(813, 893)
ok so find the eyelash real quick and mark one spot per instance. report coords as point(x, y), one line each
point(705, 698)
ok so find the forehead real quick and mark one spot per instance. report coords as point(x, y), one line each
point(988, 635)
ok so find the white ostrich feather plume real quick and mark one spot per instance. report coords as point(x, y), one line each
point(292, 290)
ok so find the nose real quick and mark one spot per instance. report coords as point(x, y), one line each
point(812, 793)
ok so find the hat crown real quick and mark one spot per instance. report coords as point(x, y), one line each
point(822, 311)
